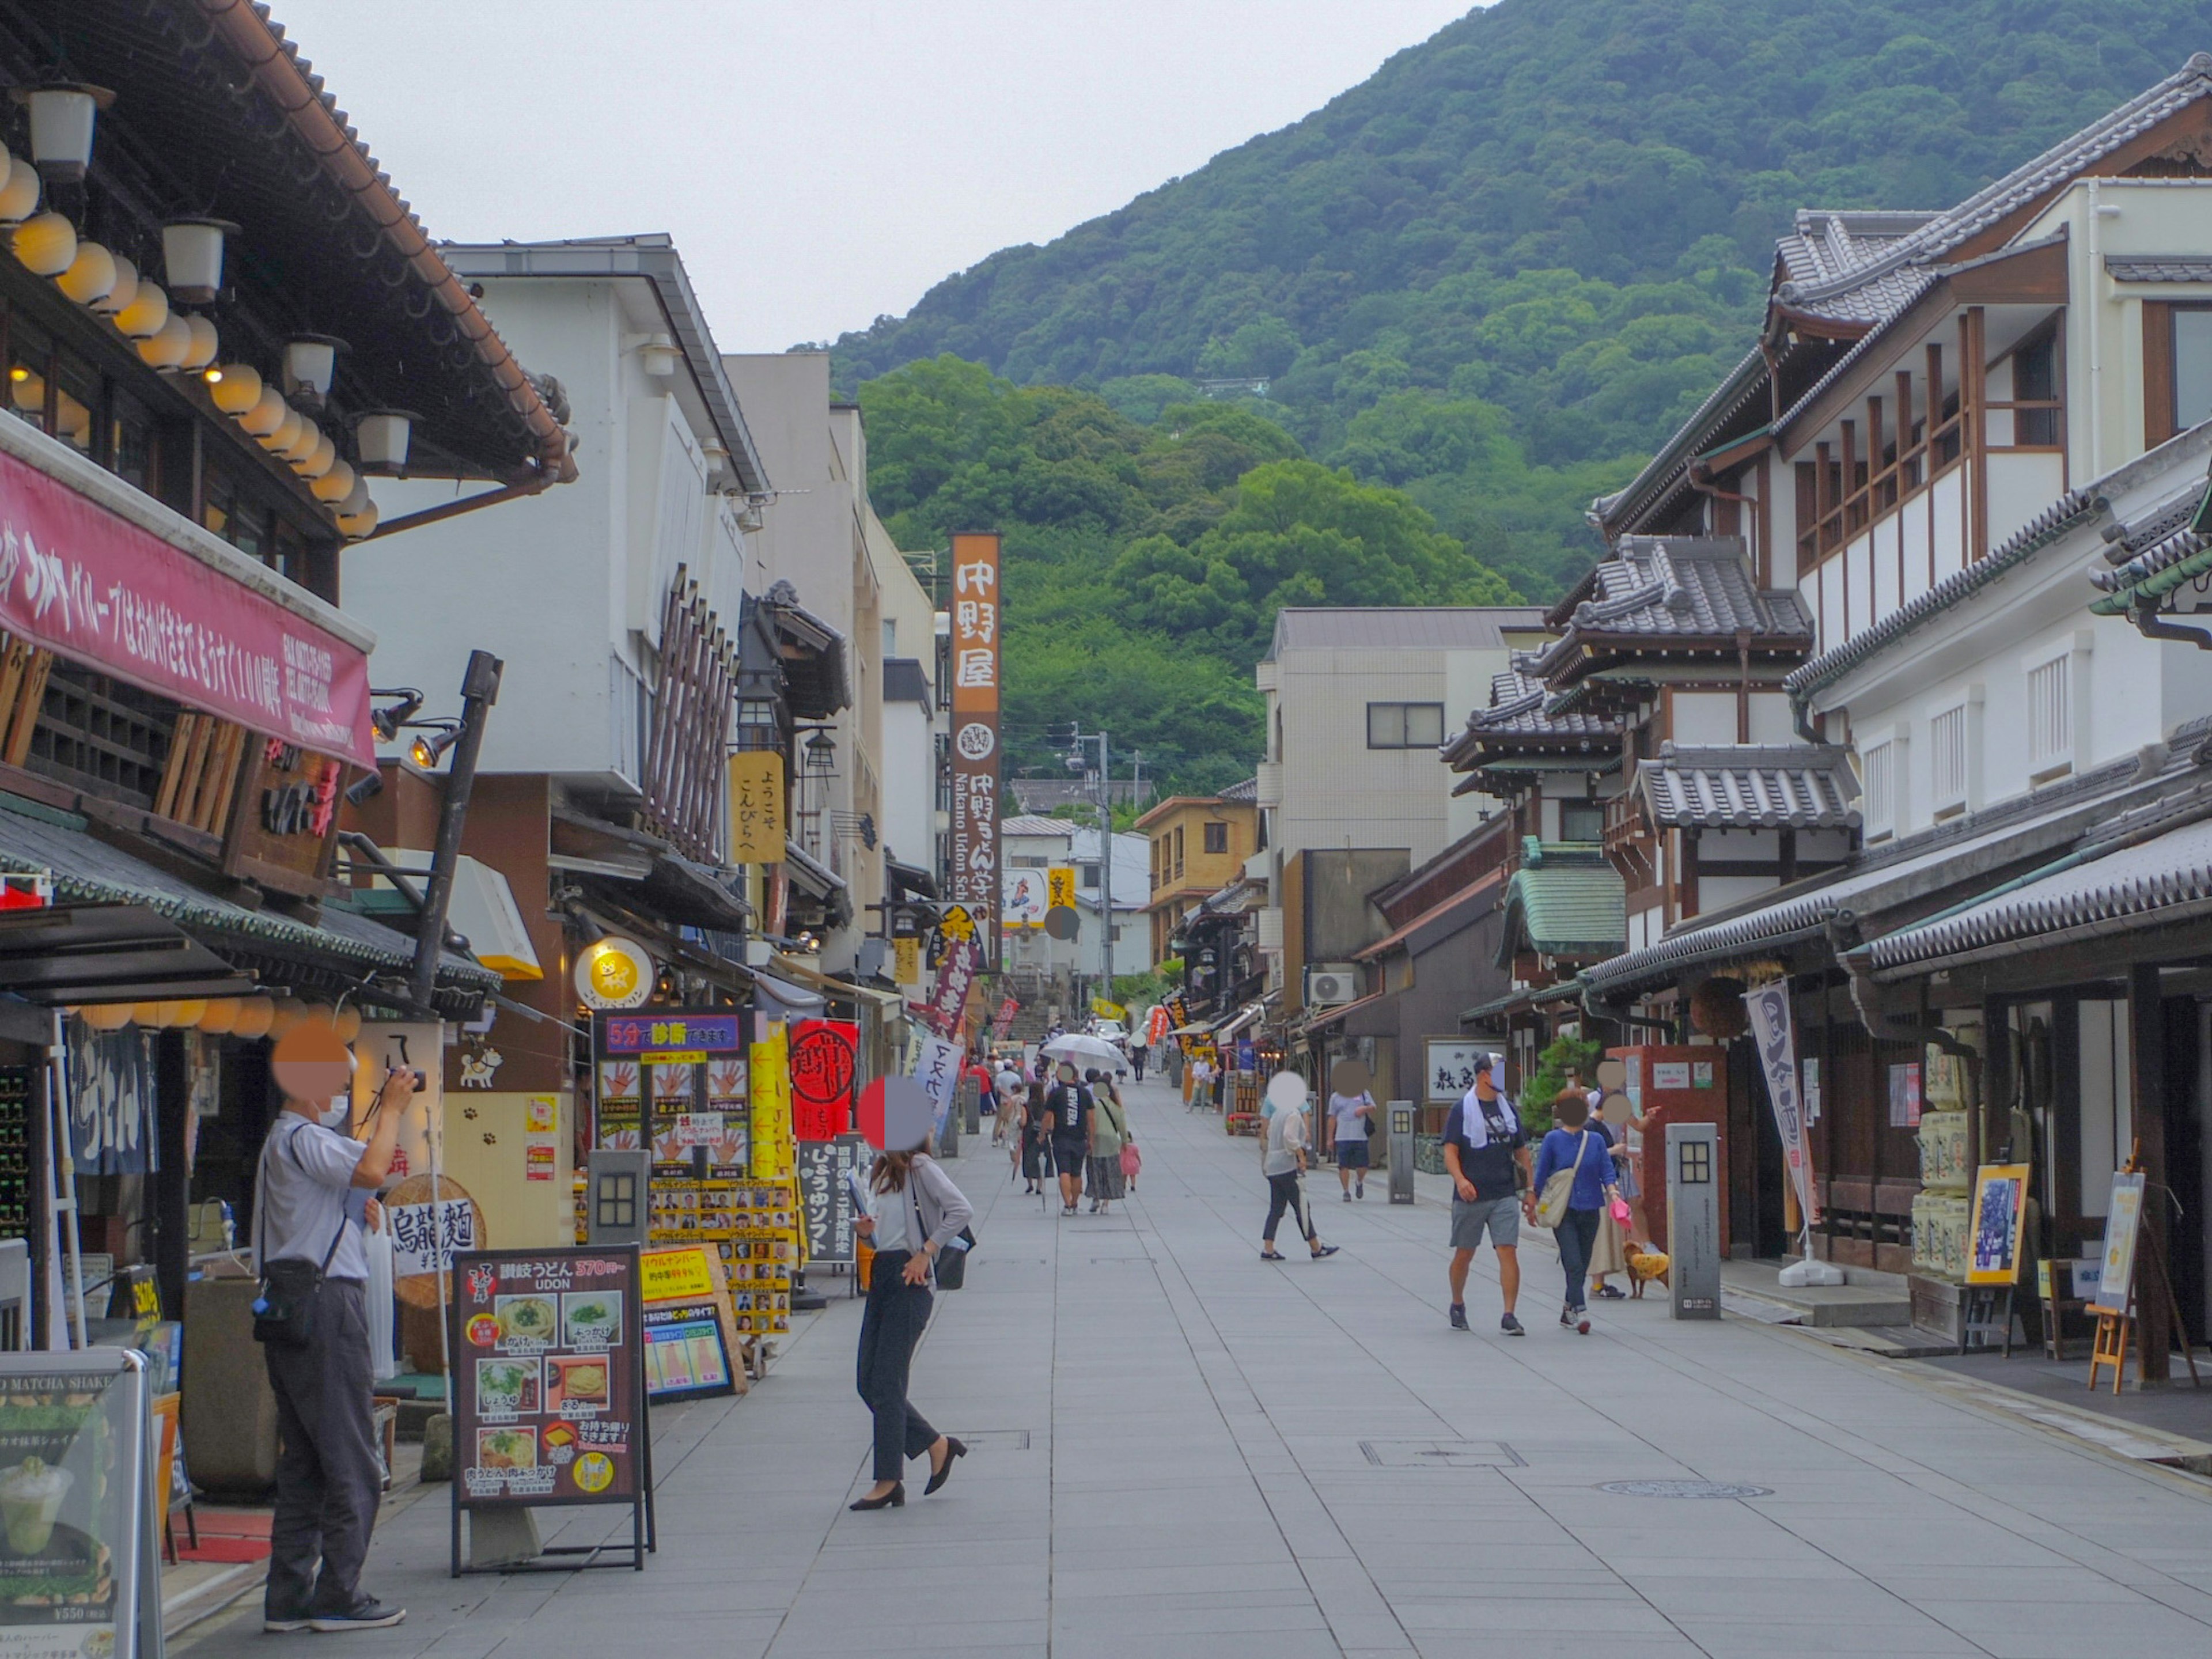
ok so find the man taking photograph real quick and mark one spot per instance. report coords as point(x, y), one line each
point(1483, 1146)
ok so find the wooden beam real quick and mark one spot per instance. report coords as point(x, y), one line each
point(1974, 399)
point(2146, 1027)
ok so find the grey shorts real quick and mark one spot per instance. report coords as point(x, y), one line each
point(1502, 1216)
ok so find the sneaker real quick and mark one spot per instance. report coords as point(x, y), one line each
point(1567, 1317)
point(1361, 1185)
point(1512, 1326)
point(366, 1614)
point(1347, 1194)
point(1611, 1293)
point(1459, 1315)
point(1581, 1322)
point(278, 1624)
point(1327, 1250)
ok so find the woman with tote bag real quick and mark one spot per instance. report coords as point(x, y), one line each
point(1110, 1134)
point(1573, 1183)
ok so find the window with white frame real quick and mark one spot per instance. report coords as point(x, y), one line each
point(1949, 756)
point(2051, 714)
point(1878, 764)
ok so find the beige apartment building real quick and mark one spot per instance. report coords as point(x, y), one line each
point(1358, 703)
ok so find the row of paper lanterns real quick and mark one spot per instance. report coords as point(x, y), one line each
point(110, 286)
point(250, 1017)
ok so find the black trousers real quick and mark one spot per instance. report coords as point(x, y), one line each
point(328, 1480)
point(891, 1324)
point(1577, 1237)
point(1285, 1194)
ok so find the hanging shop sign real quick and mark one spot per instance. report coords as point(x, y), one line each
point(95, 587)
point(955, 977)
point(1005, 1023)
point(285, 833)
point(79, 1571)
point(824, 1065)
point(825, 1189)
point(1060, 887)
point(1022, 904)
point(548, 1385)
point(675, 1081)
point(615, 973)
point(906, 956)
point(1772, 1029)
point(936, 1068)
point(972, 877)
point(756, 806)
point(1451, 1069)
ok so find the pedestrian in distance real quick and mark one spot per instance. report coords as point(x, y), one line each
point(316, 1184)
point(1486, 1155)
point(1352, 1115)
point(1283, 1146)
point(1067, 1113)
point(1036, 1135)
point(1608, 1253)
point(1201, 1079)
point(1109, 1133)
point(1010, 1089)
point(1573, 1182)
point(915, 1212)
point(1139, 1052)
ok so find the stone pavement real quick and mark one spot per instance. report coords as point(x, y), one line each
point(1180, 1450)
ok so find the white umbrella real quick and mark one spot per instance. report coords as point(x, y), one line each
point(1076, 1046)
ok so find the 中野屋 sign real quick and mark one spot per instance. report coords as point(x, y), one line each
point(81, 581)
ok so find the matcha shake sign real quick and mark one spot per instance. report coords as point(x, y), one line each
point(549, 1398)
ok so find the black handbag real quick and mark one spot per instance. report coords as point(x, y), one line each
point(952, 1261)
point(284, 1310)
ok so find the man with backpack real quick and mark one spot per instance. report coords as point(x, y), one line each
point(1486, 1155)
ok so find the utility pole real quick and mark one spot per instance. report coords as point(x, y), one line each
point(1103, 783)
point(479, 691)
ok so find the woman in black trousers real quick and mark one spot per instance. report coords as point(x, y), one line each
point(914, 1212)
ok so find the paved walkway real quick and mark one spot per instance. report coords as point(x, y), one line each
point(1180, 1450)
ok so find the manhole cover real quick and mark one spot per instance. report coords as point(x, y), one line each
point(1441, 1455)
point(1683, 1489)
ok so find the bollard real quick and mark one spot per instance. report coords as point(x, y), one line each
point(1401, 1151)
point(1693, 1221)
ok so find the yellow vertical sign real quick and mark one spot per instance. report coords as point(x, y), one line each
point(773, 1152)
point(756, 806)
point(1059, 888)
point(908, 953)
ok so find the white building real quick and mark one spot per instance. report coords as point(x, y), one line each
point(1031, 845)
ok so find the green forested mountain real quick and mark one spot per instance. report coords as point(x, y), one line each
point(1487, 281)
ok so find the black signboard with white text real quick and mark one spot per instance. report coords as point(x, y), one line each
point(827, 1195)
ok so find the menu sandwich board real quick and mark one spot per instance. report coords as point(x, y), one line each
point(549, 1396)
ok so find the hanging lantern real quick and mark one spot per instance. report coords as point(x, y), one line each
point(121, 291)
point(335, 485)
point(355, 500)
point(147, 310)
point(380, 438)
point(192, 257)
point(91, 276)
point(46, 244)
point(286, 432)
point(346, 1023)
point(303, 442)
point(220, 1017)
point(166, 347)
point(63, 114)
point(19, 194)
point(356, 526)
point(255, 1015)
point(311, 362)
point(204, 343)
point(27, 388)
point(236, 388)
point(105, 1016)
point(267, 414)
point(290, 1011)
point(319, 460)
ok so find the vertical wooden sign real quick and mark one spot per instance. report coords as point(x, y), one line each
point(977, 634)
point(756, 811)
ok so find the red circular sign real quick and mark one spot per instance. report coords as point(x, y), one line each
point(822, 1065)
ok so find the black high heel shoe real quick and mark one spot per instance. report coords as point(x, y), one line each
point(953, 1448)
point(893, 1499)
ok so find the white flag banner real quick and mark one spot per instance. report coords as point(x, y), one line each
point(936, 1068)
point(1770, 1029)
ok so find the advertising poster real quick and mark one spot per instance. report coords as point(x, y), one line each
point(770, 1060)
point(2123, 1226)
point(972, 872)
point(825, 1193)
point(686, 1355)
point(824, 1064)
point(677, 1081)
point(547, 1390)
point(2000, 1203)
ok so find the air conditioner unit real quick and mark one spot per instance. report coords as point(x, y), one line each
point(1332, 984)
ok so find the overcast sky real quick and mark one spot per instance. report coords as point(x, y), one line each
point(822, 161)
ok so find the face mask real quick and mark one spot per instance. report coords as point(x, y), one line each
point(340, 1110)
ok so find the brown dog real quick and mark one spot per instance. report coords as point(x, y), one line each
point(1644, 1266)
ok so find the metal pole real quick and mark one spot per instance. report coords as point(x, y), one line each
point(1105, 870)
point(479, 691)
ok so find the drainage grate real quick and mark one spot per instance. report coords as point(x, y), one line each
point(1683, 1489)
point(1442, 1455)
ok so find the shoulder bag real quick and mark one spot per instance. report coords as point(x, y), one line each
point(285, 1309)
point(1559, 1188)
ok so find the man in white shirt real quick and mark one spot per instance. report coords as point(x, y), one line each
point(315, 1182)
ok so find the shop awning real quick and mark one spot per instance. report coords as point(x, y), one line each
point(1338, 1015)
point(829, 985)
point(1527, 999)
point(815, 682)
point(77, 953)
point(1237, 1022)
point(1444, 910)
point(680, 891)
point(810, 876)
point(2153, 883)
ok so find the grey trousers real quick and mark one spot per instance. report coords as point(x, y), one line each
point(891, 1324)
point(329, 1481)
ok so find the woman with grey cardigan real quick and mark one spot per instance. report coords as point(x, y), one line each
point(914, 1212)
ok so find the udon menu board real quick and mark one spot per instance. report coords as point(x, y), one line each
point(548, 1392)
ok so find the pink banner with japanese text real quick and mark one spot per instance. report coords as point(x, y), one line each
point(87, 585)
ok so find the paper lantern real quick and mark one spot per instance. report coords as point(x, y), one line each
point(19, 195)
point(348, 1022)
point(165, 348)
point(355, 526)
point(46, 244)
point(200, 351)
point(356, 500)
point(147, 1014)
point(290, 1011)
point(303, 442)
point(185, 1014)
point(319, 460)
point(91, 275)
point(334, 485)
point(27, 388)
point(146, 313)
point(220, 1016)
point(122, 291)
point(267, 414)
point(286, 432)
point(236, 388)
point(105, 1016)
point(255, 1015)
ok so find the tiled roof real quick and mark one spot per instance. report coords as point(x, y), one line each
point(1750, 786)
point(2165, 880)
point(1679, 587)
point(1855, 276)
point(1398, 628)
point(1566, 901)
point(1035, 823)
point(1247, 790)
point(1518, 709)
point(2156, 553)
point(2123, 267)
